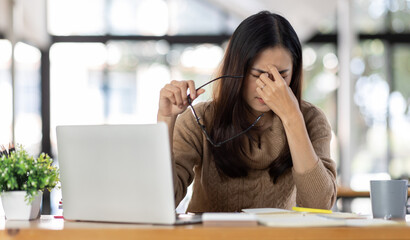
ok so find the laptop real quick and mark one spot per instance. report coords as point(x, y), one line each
point(117, 173)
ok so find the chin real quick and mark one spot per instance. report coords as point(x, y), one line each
point(261, 109)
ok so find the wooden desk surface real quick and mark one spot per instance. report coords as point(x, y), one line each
point(346, 192)
point(48, 228)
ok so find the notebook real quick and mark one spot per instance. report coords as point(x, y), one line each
point(117, 173)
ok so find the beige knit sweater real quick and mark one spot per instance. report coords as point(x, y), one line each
point(193, 161)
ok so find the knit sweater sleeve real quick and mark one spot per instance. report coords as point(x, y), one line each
point(187, 152)
point(316, 188)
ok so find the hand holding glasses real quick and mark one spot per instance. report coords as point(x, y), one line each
point(202, 126)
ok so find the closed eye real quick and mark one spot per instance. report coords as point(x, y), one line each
point(255, 76)
point(258, 75)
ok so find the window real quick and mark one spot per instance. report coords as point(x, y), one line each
point(28, 129)
point(399, 113)
point(26, 98)
point(143, 17)
point(6, 92)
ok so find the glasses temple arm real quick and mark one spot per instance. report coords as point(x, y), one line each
point(213, 80)
point(229, 139)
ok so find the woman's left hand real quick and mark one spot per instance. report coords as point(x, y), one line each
point(277, 94)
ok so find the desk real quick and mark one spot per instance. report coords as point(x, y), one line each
point(48, 228)
point(346, 192)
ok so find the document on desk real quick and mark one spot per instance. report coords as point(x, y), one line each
point(266, 210)
point(298, 220)
point(229, 219)
point(275, 217)
point(315, 220)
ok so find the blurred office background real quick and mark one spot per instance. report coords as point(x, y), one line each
point(104, 62)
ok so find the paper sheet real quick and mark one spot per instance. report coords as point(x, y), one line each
point(275, 217)
point(298, 220)
point(265, 210)
point(229, 219)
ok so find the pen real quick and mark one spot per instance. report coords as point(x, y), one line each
point(311, 210)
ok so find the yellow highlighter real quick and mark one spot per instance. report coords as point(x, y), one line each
point(311, 210)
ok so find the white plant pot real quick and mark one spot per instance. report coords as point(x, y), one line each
point(16, 208)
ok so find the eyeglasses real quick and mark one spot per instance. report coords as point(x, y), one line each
point(202, 126)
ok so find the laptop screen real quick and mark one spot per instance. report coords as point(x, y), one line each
point(116, 173)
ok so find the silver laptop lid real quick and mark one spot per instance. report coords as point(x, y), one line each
point(116, 173)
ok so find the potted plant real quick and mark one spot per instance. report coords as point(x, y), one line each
point(22, 182)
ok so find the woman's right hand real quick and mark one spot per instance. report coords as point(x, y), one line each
point(173, 98)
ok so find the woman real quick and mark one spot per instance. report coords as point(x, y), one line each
point(259, 145)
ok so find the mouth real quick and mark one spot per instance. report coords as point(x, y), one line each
point(260, 100)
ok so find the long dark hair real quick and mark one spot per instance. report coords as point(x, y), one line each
point(255, 34)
